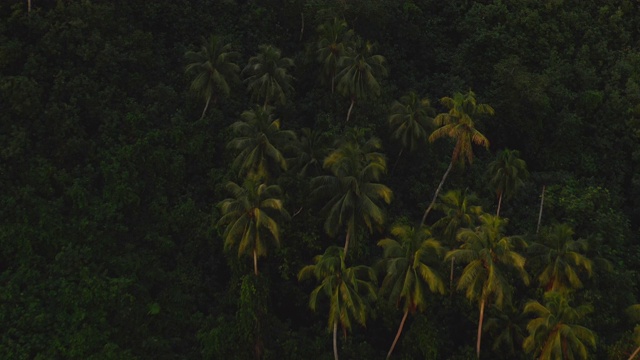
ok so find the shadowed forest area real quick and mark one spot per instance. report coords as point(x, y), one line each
point(319, 179)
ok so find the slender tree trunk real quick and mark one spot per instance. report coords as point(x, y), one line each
point(540, 213)
point(635, 353)
point(397, 159)
point(395, 341)
point(333, 79)
point(480, 328)
point(335, 340)
point(435, 196)
point(451, 276)
point(499, 204)
point(205, 108)
point(255, 262)
point(301, 24)
point(353, 101)
point(346, 242)
point(28, 7)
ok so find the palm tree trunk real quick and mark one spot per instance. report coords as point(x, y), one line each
point(301, 25)
point(346, 242)
point(255, 262)
point(353, 101)
point(635, 353)
point(395, 341)
point(205, 108)
point(480, 328)
point(451, 276)
point(435, 196)
point(499, 204)
point(397, 159)
point(540, 213)
point(335, 340)
point(28, 7)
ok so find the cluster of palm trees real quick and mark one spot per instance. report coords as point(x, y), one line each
point(346, 182)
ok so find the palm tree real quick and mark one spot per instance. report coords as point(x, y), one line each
point(311, 152)
point(335, 39)
point(267, 75)
point(358, 78)
point(353, 193)
point(260, 143)
point(488, 252)
point(214, 68)
point(554, 332)
point(410, 120)
point(250, 218)
point(409, 263)
point(349, 289)
point(458, 124)
point(634, 313)
point(459, 213)
point(561, 258)
point(507, 328)
point(507, 173)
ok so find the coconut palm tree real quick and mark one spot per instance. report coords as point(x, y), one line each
point(460, 211)
point(634, 313)
point(312, 150)
point(353, 193)
point(267, 76)
point(214, 67)
point(561, 258)
point(335, 39)
point(260, 143)
point(410, 263)
point(507, 174)
point(506, 326)
point(410, 120)
point(361, 69)
point(349, 290)
point(488, 254)
point(554, 332)
point(458, 125)
point(251, 218)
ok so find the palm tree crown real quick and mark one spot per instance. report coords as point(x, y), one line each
point(260, 143)
point(353, 193)
point(349, 289)
point(334, 42)
point(267, 75)
point(214, 68)
point(249, 217)
point(507, 174)
point(554, 332)
point(410, 120)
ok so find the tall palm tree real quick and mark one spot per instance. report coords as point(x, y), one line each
point(358, 78)
point(507, 327)
point(554, 332)
point(353, 193)
point(312, 150)
point(267, 75)
point(250, 217)
point(410, 263)
point(634, 313)
point(507, 174)
point(561, 258)
point(214, 67)
point(458, 125)
point(260, 143)
point(349, 290)
point(410, 120)
point(335, 39)
point(488, 253)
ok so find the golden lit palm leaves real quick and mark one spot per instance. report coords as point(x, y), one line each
point(458, 125)
point(488, 254)
point(410, 263)
point(507, 174)
point(349, 289)
point(260, 143)
point(360, 72)
point(267, 75)
point(250, 218)
point(352, 191)
point(460, 211)
point(554, 332)
point(214, 67)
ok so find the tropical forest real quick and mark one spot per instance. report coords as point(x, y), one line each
point(319, 179)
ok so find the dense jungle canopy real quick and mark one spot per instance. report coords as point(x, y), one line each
point(319, 179)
